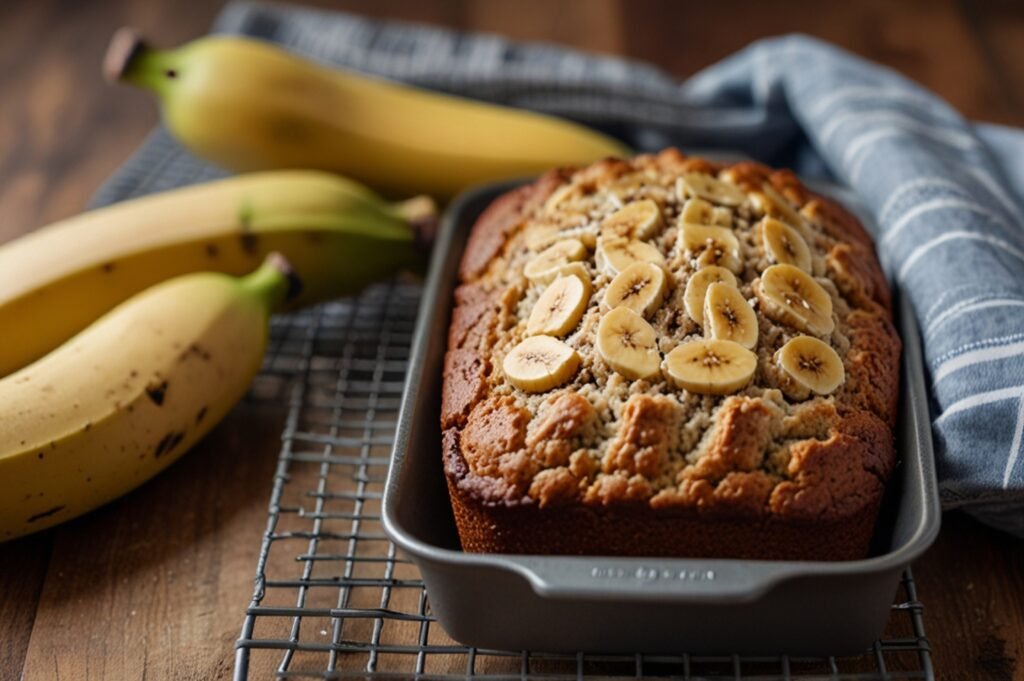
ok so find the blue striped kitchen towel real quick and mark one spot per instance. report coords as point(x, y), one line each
point(945, 192)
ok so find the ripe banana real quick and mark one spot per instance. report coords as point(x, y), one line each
point(130, 394)
point(59, 279)
point(247, 105)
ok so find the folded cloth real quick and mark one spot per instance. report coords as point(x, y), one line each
point(945, 193)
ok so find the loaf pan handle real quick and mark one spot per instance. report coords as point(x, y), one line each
point(660, 579)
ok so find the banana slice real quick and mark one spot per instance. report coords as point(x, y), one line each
point(636, 220)
point(783, 244)
point(770, 202)
point(707, 187)
point(558, 197)
point(711, 245)
point(700, 212)
point(811, 365)
point(543, 234)
point(728, 315)
point(791, 296)
point(548, 263)
point(641, 287)
point(540, 363)
point(697, 286)
point(560, 307)
point(710, 366)
point(628, 344)
point(614, 254)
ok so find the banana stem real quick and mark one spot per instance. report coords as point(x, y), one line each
point(274, 282)
point(129, 59)
point(420, 212)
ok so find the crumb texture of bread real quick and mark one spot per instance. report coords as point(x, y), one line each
point(775, 444)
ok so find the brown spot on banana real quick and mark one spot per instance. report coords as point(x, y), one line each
point(107, 267)
point(157, 392)
point(167, 443)
point(46, 514)
point(194, 349)
point(250, 243)
point(201, 415)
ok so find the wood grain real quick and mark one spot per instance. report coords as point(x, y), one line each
point(154, 586)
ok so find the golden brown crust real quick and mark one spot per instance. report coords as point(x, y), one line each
point(639, 469)
point(500, 218)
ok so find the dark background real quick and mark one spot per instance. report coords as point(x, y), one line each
point(154, 586)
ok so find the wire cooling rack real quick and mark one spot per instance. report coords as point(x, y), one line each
point(334, 599)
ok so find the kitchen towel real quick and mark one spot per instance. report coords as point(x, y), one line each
point(945, 192)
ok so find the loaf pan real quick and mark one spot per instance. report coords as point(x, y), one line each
point(629, 605)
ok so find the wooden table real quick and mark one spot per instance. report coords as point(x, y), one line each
point(154, 586)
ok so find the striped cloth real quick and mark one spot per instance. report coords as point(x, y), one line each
point(945, 193)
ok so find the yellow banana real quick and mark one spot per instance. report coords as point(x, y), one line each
point(130, 394)
point(247, 105)
point(57, 280)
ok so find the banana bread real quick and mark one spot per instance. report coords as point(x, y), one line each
point(667, 356)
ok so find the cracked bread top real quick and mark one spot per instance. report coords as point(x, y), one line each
point(602, 429)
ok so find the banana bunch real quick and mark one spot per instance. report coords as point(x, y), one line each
point(247, 105)
point(126, 397)
point(337, 234)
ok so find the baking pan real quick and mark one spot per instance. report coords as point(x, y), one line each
point(628, 605)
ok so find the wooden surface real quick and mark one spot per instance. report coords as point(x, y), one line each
point(154, 586)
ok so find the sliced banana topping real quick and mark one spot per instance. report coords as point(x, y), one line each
point(697, 286)
point(560, 307)
point(811, 365)
point(770, 202)
point(783, 244)
point(700, 212)
point(558, 197)
point(707, 187)
point(543, 234)
point(614, 254)
point(727, 315)
point(791, 296)
point(711, 245)
point(628, 344)
point(641, 287)
point(548, 263)
point(710, 366)
point(540, 363)
point(636, 220)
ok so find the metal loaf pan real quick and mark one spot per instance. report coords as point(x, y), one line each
point(628, 605)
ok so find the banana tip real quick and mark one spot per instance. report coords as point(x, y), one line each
point(126, 43)
point(281, 264)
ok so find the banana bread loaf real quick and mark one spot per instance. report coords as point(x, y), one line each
point(669, 357)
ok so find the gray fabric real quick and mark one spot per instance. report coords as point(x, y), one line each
point(945, 193)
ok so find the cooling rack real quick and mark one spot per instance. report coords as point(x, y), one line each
point(333, 599)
